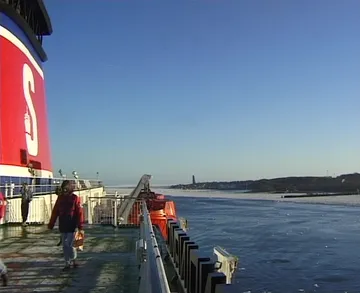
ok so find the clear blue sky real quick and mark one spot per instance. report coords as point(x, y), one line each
point(225, 90)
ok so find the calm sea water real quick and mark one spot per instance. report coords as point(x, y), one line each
point(282, 247)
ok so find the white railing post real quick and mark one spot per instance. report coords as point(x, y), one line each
point(89, 214)
point(115, 212)
point(12, 187)
point(7, 215)
point(6, 190)
point(44, 211)
point(51, 202)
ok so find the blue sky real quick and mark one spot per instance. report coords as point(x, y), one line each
point(225, 90)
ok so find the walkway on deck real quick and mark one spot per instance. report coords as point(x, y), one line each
point(107, 264)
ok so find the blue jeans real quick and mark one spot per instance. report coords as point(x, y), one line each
point(69, 251)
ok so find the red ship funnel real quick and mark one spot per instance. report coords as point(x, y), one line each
point(24, 132)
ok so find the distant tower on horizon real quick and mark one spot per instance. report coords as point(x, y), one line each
point(193, 181)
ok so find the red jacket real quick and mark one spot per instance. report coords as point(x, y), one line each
point(69, 211)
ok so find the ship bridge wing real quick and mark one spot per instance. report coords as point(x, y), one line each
point(126, 207)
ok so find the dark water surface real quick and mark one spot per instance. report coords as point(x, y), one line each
point(282, 247)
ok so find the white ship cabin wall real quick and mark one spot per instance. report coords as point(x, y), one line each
point(44, 197)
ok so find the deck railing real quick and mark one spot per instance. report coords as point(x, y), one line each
point(100, 206)
point(153, 279)
point(107, 210)
point(12, 189)
point(41, 206)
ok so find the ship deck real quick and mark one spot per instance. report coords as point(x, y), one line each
point(107, 264)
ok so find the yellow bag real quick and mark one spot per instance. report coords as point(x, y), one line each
point(79, 240)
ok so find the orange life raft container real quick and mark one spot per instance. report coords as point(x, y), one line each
point(161, 210)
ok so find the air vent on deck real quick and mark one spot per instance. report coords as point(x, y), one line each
point(23, 157)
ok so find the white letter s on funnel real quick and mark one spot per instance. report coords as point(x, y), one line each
point(30, 121)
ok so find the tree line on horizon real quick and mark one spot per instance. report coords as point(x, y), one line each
point(342, 183)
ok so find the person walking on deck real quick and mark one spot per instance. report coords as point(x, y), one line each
point(3, 269)
point(26, 198)
point(59, 192)
point(3, 273)
point(69, 211)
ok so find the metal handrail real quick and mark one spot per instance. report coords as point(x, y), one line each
point(57, 178)
point(54, 182)
point(30, 185)
point(12, 190)
point(120, 186)
point(156, 281)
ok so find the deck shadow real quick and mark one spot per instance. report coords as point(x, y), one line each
point(108, 263)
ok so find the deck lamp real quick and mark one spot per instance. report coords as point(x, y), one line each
point(75, 174)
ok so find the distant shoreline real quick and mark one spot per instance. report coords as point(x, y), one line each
point(339, 200)
point(343, 184)
point(281, 194)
